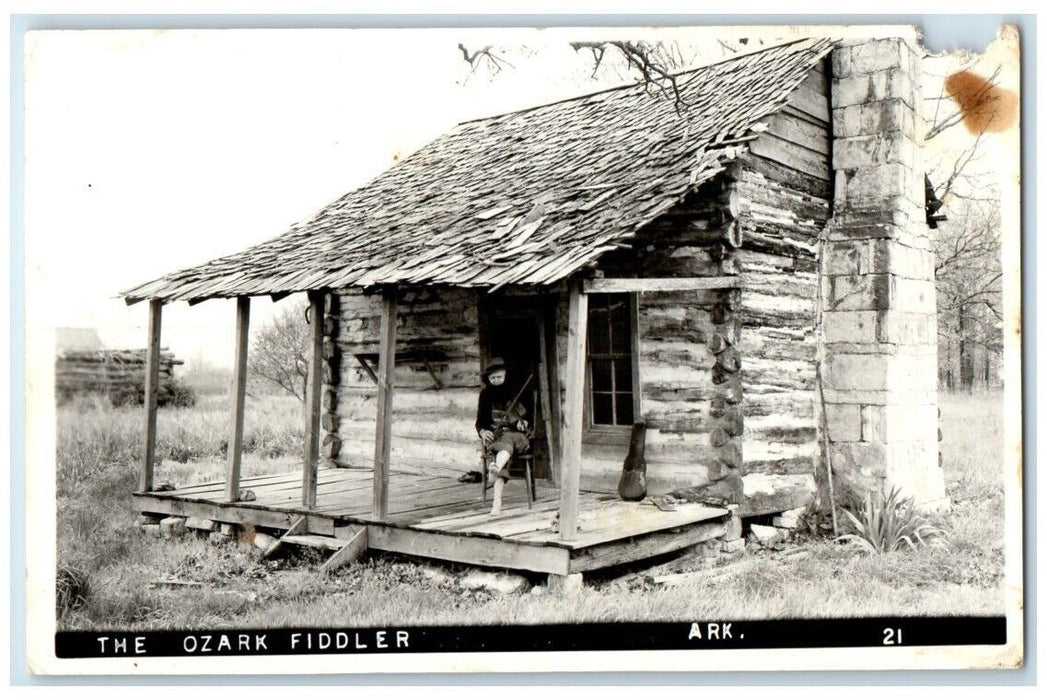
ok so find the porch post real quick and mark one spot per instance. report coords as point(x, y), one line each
point(312, 399)
point(152, 377)
point(570, 478)
point(551, 435)
point(236, 427)
point(383, 420)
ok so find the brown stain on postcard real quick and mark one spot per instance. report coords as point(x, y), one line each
point(985, 106)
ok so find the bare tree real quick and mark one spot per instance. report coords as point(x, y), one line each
point(279, 352)
point(969, 278)
point(654, 64)
point(968, 268)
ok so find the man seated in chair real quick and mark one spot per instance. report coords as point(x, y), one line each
point(502, 426)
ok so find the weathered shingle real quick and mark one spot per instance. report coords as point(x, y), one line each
point(523, 198)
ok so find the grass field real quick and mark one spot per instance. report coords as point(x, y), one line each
point(108, 567)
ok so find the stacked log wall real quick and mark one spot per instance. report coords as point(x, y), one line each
point(785, 193)
point(727, 417)
point(434, 403)
point(330, 440)
point(681, 378)
point(107, 371)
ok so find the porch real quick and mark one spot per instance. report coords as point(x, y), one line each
point(436, 516)
point(385, 504)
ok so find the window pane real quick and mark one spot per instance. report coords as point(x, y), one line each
point(624, 403)
point(620, 338)
point(601, 375)
point(610, 359)
point(623, 375)
point(602, 414)
point(599, 338)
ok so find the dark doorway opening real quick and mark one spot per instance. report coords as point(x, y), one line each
point(520, 331)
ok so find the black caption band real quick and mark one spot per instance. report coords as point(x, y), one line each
point(756, 634)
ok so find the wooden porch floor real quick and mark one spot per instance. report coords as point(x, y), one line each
point(437, 516)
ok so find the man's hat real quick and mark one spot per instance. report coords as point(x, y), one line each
point(495, 364)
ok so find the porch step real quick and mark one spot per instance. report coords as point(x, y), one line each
point(346, 549)
point(349, 551)
point(297, 529)
point(315, 541)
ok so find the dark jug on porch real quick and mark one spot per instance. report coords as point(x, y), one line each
point(633, 484)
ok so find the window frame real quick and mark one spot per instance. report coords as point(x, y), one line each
point(595, 433)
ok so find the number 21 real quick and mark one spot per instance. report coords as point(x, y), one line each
point(892, 636)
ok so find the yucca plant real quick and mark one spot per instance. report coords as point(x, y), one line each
point(886, 522)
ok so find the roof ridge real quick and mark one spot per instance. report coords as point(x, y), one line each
point(626, 86)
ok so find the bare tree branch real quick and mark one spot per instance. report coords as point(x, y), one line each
point(654, 64)
point(958, 167)
point(654, 69)
point(279, 352)
point(485, 56)
point(983, 99)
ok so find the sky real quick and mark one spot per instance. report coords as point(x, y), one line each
point(150, 151)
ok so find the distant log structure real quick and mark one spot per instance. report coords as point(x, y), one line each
point(119, 374)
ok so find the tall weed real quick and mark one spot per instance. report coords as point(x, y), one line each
point(95, 437)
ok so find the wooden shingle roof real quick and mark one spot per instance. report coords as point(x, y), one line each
point(523, 198)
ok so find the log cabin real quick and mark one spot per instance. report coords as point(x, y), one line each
point(746, 269)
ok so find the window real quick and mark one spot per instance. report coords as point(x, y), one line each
point(609, 361)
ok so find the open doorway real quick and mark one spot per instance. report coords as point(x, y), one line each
point(519, 332)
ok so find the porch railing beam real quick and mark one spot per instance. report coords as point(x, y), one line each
point(571, 462)
point(239, 393)
point(152, 378)
point(384, 418)
point(312, 399)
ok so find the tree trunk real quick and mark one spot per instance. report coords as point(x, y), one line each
point(954, 365)
point(966, 354)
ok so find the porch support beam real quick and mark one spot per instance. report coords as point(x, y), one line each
point(236, 421)
point(384, 419)
point(313, 390)
point(659, 284)
point(546, 404)
point(571, 462)
point(152, 378)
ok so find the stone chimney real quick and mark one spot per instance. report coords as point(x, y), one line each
point(880, 327)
